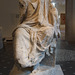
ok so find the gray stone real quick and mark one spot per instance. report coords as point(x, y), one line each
point(46, 70)
point(40, 70)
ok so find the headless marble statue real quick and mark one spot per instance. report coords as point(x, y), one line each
point(35, 35)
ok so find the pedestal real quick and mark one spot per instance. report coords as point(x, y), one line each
point(40, 70)
point(45, 70)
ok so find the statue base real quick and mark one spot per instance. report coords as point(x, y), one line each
point(40, 70)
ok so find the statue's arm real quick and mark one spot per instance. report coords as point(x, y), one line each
point(58, 23)
point(21, 44)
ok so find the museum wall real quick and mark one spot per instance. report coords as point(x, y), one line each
point(8, 19)
point(8, 15)
point(61, 8)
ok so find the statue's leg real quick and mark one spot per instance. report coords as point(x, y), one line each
point(21, 50)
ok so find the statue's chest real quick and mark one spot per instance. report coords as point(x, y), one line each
point(32, 6)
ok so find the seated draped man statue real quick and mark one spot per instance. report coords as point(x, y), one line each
point(35, 35)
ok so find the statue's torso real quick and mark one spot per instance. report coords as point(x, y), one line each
point(39, 11)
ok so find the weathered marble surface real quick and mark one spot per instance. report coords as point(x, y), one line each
point(36, 34)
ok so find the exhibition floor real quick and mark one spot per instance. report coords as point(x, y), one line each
point(65, 56)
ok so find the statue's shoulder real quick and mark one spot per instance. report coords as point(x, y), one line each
point(19, 29)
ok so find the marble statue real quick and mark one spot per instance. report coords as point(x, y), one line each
point(35, 36)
